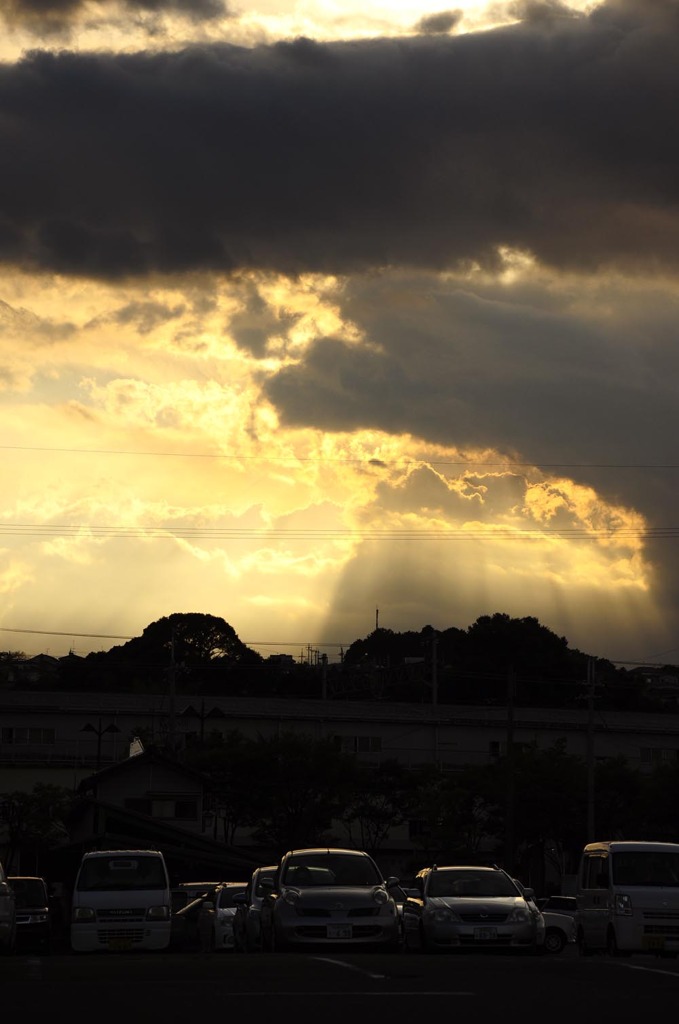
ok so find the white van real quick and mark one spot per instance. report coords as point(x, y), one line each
point(628, 898)
point(8, 925)
point(121, 901)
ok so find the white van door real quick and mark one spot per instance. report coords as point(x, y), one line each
point(593, 899)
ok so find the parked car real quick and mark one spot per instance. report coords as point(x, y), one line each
point(628, 898)
point(400, 896)
point(469, 906)
point(7, 915)
point(33, 926)
point(247, 931)
point(326, 897)
point(215, 921)
point(187, 898)
point(559, 915)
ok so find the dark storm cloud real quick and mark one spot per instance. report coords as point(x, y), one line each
point(557, 137)
point(145, 316)
point(55, 16)
point(494, 369)
point(19, 323)
point(441, 21)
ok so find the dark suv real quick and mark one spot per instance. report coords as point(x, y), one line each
point(32, 912)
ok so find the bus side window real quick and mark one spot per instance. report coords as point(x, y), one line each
point(596, 873)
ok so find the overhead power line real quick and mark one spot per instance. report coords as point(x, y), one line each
point(117, 636)
point(367, 460)
point(490, 532)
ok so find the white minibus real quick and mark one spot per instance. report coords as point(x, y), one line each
point(121, 901)
point(628, 898)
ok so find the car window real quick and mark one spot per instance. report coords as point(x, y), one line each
point(29, 892)
point(330, 869)
point(226, 896)
point(111, 873)
point(563, 904)
point(470, 884)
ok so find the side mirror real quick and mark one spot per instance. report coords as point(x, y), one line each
point(266, 884)
point(239, 898)
point(208, 905)
point(392, 881)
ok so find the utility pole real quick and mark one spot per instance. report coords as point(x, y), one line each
point(324, 676)
point(590, 750)
point(434, 670)
point(172, 673)
point(511, 783)
point(99, 731)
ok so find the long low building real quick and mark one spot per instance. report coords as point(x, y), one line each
point(62, 737)
point(80, 741)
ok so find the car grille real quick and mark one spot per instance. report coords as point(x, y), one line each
point(661, 929)
point(327, 914)
point(478, 918)
point(107, 935)
point(359, 931)
point(469, 940)
point(124, 914)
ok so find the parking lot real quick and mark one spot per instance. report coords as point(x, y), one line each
point(483, 986)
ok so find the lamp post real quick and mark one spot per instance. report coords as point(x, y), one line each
point(99, 732)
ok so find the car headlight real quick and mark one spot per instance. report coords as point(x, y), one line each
point(160, 913)
point(440, 914)
point(380, 896)
point(623, 904)
point(83, 914)
point(291, 896)
point(37, 918)
point(519, 914)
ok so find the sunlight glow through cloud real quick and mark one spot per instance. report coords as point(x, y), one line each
point(403, 337)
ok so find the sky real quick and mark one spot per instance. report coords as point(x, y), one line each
point(320, 316)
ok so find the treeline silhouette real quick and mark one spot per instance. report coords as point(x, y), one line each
point(495, 660)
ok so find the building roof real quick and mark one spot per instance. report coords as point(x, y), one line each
point(133, 763)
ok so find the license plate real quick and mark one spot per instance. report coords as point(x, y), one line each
point(653, 941)
point(117, 945)
point(339, 931)
point(485, 934)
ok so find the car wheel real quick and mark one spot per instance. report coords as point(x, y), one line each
point(412, 940)
point(9, 948)
point(276, 943)
point(583, 948)
point(612, 945)
point(267, 943)
point(555, 940)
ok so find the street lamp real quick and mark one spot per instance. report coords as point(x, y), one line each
point(99, 732)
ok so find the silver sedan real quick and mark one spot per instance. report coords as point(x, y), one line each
point(329, 897)
point(471, 907)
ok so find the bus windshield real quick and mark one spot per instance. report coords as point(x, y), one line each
point(650, 867)
point(112, 873)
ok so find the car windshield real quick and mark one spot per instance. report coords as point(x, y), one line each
point(645, 868)
point(330, 869)
point(111, 873)
point(226, 896)
point(469, 883)
point(29, 892)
